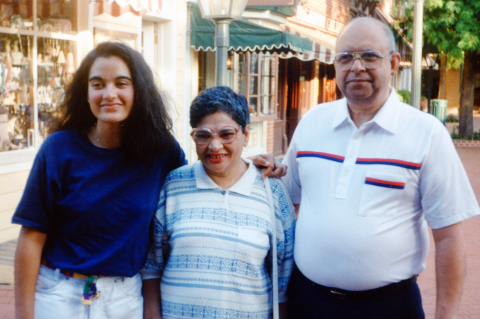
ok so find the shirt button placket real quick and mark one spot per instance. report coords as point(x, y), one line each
point(348, 166)
point(225, 193)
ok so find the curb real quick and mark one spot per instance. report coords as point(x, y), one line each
point(466, 143)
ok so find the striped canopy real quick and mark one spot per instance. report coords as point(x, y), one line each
point(248, 36)
point(116, 8)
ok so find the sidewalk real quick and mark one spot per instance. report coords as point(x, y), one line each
point(470, 306)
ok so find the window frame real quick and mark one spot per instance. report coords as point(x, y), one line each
point(259, 75)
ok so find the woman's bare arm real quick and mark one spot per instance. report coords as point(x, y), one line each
point(27, 264)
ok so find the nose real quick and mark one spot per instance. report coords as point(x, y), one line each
point(110, 92)
point(357, 65)
point(215, 144)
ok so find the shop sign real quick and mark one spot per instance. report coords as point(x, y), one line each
point(271, 3)
point(318, 19)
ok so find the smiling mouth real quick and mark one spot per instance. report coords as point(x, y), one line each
point(358, 81)
point(217, 156)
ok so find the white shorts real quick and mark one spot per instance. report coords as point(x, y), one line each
point(59, 297)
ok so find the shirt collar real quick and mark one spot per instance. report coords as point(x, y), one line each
point(342, 114)
point(243, 186)
point(386, 117)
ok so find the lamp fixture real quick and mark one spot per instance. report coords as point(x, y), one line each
point(222, 12)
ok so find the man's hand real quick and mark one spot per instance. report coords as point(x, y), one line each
point(273, 168)
point(450, 269)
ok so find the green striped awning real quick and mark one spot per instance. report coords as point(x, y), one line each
point(247, 36)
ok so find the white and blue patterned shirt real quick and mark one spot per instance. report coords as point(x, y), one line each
point(217, 244)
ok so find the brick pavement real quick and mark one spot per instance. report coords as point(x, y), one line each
point(6, 302)
point(470, 306)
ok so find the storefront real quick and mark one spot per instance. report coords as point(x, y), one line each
point(283, 70)
point(41, 44)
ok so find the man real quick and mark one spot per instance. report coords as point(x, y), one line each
point(369, 174)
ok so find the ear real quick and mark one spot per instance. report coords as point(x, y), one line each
point(247, 135)
point(395, 62)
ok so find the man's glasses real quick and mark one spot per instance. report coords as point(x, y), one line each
point(370, 59)
point(203, 136)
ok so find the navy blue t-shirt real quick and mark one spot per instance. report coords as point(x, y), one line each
point(94, 204)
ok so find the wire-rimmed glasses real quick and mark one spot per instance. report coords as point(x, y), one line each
point(203, 136)
point(370, 59)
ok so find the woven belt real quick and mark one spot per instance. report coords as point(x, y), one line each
point(67, 273)
point(372, 293)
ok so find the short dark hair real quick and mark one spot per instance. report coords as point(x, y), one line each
point(220, 99)
point(147, 130)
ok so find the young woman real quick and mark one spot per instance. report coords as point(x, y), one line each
point(92, 192)
point(213, 225)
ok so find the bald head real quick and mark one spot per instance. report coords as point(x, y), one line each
point(363, 22)
point(366, 88)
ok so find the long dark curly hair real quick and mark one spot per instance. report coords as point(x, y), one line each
point(147, 131)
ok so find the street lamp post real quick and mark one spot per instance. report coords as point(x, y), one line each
point(430, 61)
point(222, 12)
point(417, 54)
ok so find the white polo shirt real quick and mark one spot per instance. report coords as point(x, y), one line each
point(368, 193)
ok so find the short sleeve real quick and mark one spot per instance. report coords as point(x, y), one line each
point(291, 179)
point(447, 196)
point(36, 206)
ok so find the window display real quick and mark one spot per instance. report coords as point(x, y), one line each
point(16, 108)
point(54, 71)
point(27, 104)
point(16, 14)
point(56, 16)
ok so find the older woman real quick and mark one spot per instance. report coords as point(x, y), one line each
point(92, 193)
point(213, 224)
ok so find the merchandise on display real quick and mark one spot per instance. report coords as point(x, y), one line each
point(54, 63)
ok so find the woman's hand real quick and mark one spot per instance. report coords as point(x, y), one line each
point(273, 168)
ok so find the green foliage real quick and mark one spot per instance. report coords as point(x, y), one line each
point(451, 118)
point(450, 25)
point(474, 136)
point(404, 96)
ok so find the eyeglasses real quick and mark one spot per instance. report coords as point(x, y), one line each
point(203, 136)
point(370, 59)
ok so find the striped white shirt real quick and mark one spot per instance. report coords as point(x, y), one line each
point(217, 245)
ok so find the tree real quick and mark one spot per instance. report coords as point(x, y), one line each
point(452, 26)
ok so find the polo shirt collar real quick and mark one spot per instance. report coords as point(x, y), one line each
point(243, 186)
point(387, 117)
point(341, 114)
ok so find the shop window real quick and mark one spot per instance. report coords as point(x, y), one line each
point(56, 16)
point(35, 67)
point(16, 14)
point(16, 111)
point(257, 81)
point(55, 68)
